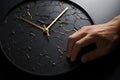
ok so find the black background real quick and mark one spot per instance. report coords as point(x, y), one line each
point(105, 68)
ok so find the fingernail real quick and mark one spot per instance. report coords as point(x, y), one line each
point(83, 60)
point(72, 59)
point(68, 55)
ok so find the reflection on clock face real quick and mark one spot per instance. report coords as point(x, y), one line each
point(29, 48)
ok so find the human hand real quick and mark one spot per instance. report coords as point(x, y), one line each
point(105, 36)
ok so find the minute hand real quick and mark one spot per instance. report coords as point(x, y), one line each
point(57, 17)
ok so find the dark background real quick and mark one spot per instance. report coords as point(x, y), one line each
point(105, 68)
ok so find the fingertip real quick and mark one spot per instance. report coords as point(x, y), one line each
point(83, 59)
point(72, 59)
point(68, 55)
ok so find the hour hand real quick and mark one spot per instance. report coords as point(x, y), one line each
point(30, 22)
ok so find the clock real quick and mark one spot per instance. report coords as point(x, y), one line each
point(35, 32)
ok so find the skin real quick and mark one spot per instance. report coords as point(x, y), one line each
point(106, 36)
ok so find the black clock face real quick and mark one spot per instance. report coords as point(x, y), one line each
point(33, 49)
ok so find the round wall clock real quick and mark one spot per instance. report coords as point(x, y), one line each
point(34, 35)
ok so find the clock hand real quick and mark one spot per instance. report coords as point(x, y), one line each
point(30, 22)
point(44, 28)
point(57, 18)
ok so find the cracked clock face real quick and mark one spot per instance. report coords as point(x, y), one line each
point(29, 47)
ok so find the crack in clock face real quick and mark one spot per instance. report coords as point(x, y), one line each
point(29, 47)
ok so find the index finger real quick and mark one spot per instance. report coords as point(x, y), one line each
point(71, 41)
point(79, 45)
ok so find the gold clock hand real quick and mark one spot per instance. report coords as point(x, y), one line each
point(30, 22)
point(46, 30)
point(57, 18)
